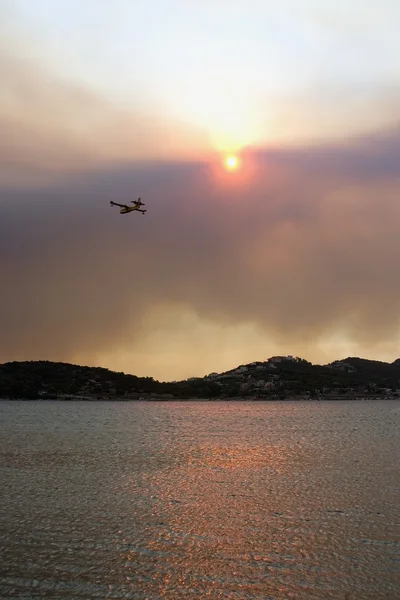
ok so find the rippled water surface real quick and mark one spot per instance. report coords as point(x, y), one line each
point(205, 500)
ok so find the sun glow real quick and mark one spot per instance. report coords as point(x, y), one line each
point(233, 169)
point(231, 163)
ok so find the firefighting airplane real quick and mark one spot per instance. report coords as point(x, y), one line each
point(125, 208)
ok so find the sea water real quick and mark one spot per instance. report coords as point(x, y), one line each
point(200, 500)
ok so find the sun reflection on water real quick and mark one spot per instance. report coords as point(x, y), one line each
point(206, 513)
point(238, 456)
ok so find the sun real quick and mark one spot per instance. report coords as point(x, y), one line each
point(231, 162)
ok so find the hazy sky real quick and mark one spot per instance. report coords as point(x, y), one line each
point(296, 252)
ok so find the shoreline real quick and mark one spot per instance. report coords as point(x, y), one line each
point(328, 398)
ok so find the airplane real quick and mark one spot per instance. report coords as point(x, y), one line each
point(127, 209)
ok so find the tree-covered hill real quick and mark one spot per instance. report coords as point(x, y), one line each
point(46, 379)
point(278, 377)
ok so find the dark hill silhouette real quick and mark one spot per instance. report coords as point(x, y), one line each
point(278, 377)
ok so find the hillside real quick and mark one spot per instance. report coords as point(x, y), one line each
point(276, 378)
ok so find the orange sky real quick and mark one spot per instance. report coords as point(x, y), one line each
point(293, 252)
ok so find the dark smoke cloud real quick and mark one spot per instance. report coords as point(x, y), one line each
point(318, 251)
point(306, 246)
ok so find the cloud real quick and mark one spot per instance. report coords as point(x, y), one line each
point(49, 126)
point(309, 248)
point(301, 247)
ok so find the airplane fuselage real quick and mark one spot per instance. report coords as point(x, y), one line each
point(129, 209)
point(125, 209)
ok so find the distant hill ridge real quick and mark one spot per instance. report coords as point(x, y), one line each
point(278, 377)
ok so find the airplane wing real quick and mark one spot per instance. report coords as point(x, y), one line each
point(117, 204)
